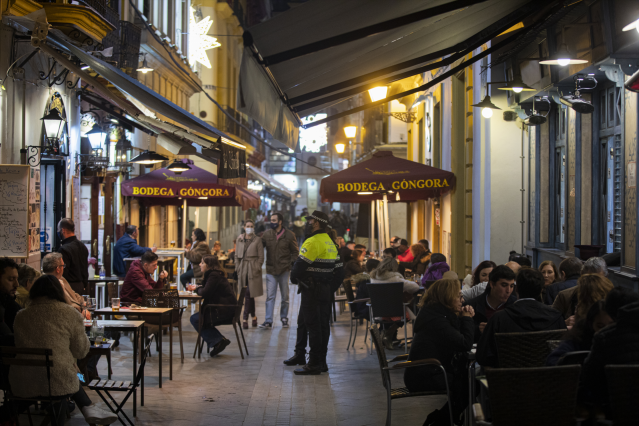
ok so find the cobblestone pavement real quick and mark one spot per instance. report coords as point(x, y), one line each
point(260, 390)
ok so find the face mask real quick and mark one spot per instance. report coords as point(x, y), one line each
point(308, 229)
point(274, 225)
point(248, 231)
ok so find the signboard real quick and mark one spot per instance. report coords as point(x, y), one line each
point(45, 240)
point(14, 210)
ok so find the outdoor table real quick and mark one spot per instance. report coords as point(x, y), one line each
point(103, 349)
point(138, 330)
point(199, 299)
point(149, 312)
point(95, 282)
point(174, 252)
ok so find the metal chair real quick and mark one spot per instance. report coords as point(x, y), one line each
point(107, 386)
point(533, 396)
point(574, 358)
point(397, 393)
point(387, 300)
point(165, 299)
point(350, 297)
point(235, 322)
point(624, 393)
point(45, 361)
point(525, 350)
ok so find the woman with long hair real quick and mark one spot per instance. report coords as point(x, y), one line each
point(444, 330)
point(215, 290)
point(421, 260)
point(249, 257)
point(194, 255)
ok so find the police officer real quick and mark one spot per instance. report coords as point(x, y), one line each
point(318, 272)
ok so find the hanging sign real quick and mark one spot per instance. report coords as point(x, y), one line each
point(14, 208)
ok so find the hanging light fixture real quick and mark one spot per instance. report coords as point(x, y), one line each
point(577, 103)
point(96, 136)
point(340, 147)
point(562, 57)
point(632, 26)
point(350, 131)
point(517, 85)
point(53, 125)
point(378, 93)
point(177, 167)
point(487, 107)
point(123, 150)
point(145, 67)
point(148, 157)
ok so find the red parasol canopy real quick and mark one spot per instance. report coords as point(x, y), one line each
point(386, 174)
point(199, 187)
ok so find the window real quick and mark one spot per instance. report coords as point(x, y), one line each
point(281, 163)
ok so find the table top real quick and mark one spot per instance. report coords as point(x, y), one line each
point(103, 280)
point(147, 311)
point(104, 346)
point(189, 296)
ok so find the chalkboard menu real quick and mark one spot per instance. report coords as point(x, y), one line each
point(14, 207)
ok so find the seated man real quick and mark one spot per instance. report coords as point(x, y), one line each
point(470, 293)
point(390, 252)
point(53, 264)
point(497, 297)
point(8, 288)
point(570, 271)
point(139, 278)
point(566, 300)
point(526, 314)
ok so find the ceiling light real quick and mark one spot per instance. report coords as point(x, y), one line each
point(517, 85)
point(562, 57)
point(350, 131)
point(339, 147)
point(577, 103)
point(364, 193)
point(178, 167)
point(145, 67)
point(487, 107)
point(634, 25)
point(148, 157)
point(378, 93)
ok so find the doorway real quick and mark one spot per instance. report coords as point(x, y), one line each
point(52, 203)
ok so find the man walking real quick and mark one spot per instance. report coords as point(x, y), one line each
point(75, 256)
point(127, 247)
point(281, 253)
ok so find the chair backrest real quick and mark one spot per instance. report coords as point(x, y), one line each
point(381, 356)
point(525, 350)
point(553, 344)
point(624, 393)
point(533, 396)
point(7, 354)
point(162, 298)
point(347, 285)
point(240, 305)
point(146, 353)
point(386, 299)
point(574, 358)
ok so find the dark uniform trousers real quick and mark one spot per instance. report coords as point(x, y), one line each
point(314, 321)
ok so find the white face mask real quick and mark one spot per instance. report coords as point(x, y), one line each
point(249, 231)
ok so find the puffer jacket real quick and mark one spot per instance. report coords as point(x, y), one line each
point(195, 255)
point(280, 253)
point(51, 324)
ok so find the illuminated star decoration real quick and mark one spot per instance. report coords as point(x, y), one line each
point(199, 41)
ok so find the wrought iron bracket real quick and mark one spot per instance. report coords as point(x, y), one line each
point(406, 117)
point(34, 153)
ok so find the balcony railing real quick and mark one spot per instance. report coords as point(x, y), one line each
point(107, 8)
point(125, 41)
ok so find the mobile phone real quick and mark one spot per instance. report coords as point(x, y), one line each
point(81, 377)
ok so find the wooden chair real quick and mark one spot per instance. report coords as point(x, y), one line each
point(350, 297)
point(164, 299)
point(624, 393)
point(533, 396)
point(525, 350)
point(235, 322)
point(7, 357)
point(403, 392)
point(106, 386)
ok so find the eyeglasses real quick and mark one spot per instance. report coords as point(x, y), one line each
point(62, 265)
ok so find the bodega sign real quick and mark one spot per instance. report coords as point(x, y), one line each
point(189, 192)
point(395, 185)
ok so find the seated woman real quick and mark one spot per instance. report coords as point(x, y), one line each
point(386, 272)
point(580, 337)
point(421, 259)
point(355, 265)
point(437, 268)
point(590, 289)
point(215, 289)
point(26, 277)
point(49, 322)
point(444, 331)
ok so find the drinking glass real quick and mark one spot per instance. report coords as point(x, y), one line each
point(115, 304)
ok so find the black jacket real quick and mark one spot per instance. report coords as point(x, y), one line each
point(553, 289)
point(76, 261)
point(352, 267)
point(525, 315)
point(479, 304)
point(11, 308)
point(439, 334)
point(417, 266)
point(217, 290)
point(616, 344)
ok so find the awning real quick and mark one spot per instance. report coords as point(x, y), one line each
point(199, 187)
point(267, 180)
point(285, 76)
point(387, 175)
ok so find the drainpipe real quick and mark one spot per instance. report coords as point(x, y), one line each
point(523, 192)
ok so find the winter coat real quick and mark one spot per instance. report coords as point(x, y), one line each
point(522, 316)
point(136, 281)
point(480, 305)
point(198, 250)
point(352, 267)
point(393, 277)
point(76, 261)
point(417, 266)
point(566, 302)
point(281, 252)
point(249, 257)
point(73, 299)
point(439, 334)
point(406, 256)
point(616, 344)
point(357, 279)
point(215, 289)
point(51, 324)
point(435, 271)
point(553, 289)
point(126, 248)
point(11, 308)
